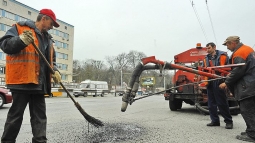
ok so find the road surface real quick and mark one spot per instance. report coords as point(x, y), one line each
point(148, 120)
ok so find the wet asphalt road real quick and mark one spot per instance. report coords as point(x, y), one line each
point(147, 120)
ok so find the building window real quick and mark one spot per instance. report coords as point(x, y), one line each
point(65, 56)
point(62, 56)
point(16, 18)
point(64, 67)
point(2, 70)
point(66, 27)
point(59, 66)
point(2, 56)
point(66, 36)
point(57, 32)
point(10, 15)
point(64, 77)
point(64, 45)
point(29, 12)
point(4, 27)
point(4, 2)
point(3, 13)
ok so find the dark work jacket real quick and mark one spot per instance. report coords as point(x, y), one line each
point(241, 80)
point(219, 60)
point(10, 43)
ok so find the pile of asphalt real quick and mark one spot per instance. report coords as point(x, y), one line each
point(82, 132)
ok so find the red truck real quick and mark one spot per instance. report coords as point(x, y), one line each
point(193, 94)
point(188, 87)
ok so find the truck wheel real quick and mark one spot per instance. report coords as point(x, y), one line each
point(175, 104)
point(102, 95)
point(76, 95)
point(85, 94)
point(1, 100)
point(179, 104)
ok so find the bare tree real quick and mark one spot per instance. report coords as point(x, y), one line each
point(111, 70)
point(117, 68)
point(93, 69)
point(76, 70)
point(122, 65)
point(134, 57)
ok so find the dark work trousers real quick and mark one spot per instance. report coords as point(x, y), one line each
point(218, 98)
point(14, 119)
point(247, 108)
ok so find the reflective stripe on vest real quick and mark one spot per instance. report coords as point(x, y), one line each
point(23, 67)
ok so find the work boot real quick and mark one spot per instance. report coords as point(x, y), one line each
point(229, 126)
point(245, 138)
point(214, 124)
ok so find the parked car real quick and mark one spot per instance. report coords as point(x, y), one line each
point(78, 93)
point(90, 87)
point(121, 93)
point(5, 97)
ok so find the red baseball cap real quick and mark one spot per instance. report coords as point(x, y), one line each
point(51, 14)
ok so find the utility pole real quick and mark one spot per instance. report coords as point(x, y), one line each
point(164, 81)
point(121, 78)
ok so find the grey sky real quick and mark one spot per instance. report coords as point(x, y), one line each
point(161, 28)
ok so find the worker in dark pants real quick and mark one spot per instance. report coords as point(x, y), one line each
point(217, 99)
point(27, 75)
point(15, 116)
point(216, 96)
point(241, 82)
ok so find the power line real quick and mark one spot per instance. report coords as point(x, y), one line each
point(211, 22)
point(193, 5)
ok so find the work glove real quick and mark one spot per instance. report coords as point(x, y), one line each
point(56, 77)
point(26, 37)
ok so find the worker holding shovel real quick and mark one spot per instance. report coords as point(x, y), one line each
point(27, 75)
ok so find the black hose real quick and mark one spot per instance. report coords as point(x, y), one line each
point(202, 109)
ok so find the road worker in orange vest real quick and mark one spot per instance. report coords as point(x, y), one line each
point(27, 75)
point(217, 98)
point(241, 82)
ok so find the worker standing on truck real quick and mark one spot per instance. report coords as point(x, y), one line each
point(27, 75)
point(216, 96)
point(241, 82)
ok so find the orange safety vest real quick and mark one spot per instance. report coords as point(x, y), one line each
point(242, 52)
point(221, 63)
point(23, 67)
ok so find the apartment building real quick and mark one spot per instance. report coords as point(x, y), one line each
point(12, 11)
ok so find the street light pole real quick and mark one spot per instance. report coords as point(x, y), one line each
point(164, 76)
point(121, 78)
point(164, 82)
